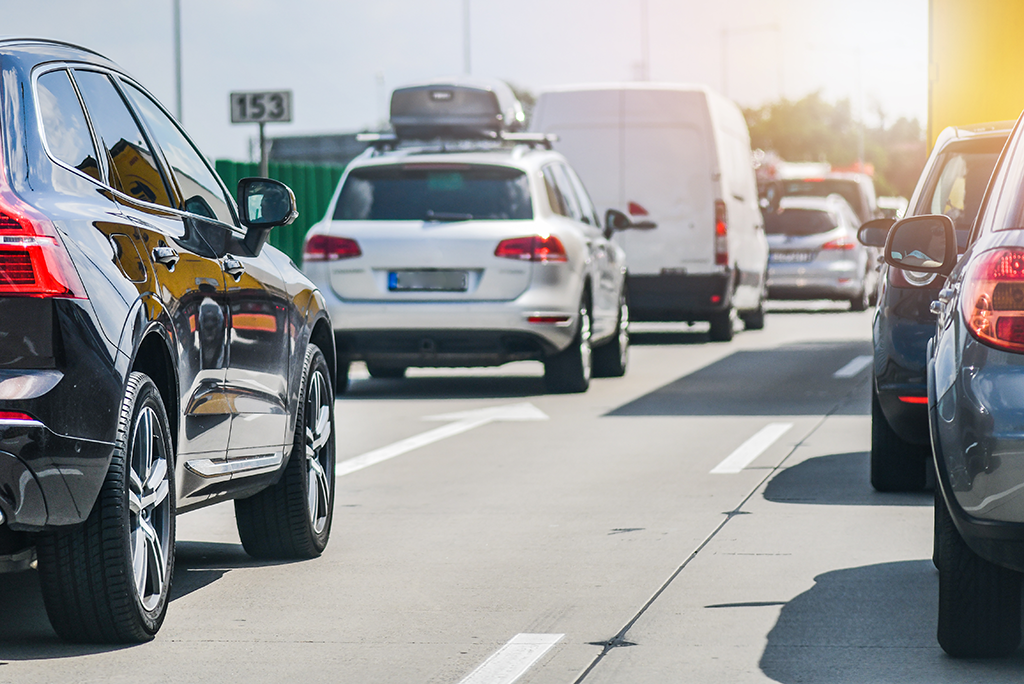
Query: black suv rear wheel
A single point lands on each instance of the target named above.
(108, 580)
(896, 465)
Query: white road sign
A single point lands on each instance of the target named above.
(261, 107)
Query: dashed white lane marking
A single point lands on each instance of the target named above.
(855, 366)
(464, 421)
(512, 660)
(755, 446)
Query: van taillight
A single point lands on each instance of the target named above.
(992, 299)
(533, 248)
(33, 261)
(721, 234)
(840, 243)
(329, 248)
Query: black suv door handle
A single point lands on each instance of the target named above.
(233, 267)
(166, 256)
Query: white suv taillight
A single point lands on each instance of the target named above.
(992, 299)
(329, 248)
(533, 248)
(33, 261)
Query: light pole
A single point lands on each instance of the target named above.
(466, 64)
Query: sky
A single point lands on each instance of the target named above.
(341, 58)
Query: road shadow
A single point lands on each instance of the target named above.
(446, 387)
(25, 631)
(874, 623)
(839, 480)
(793, 380)
(666, 337)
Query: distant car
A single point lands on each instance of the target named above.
(156, 356)
(953, 182)
(892, 207)
(474, 248)
(856, 188)
(814, 253)
(976, 406)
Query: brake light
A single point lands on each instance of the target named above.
(914, 400)
(993, 299)
(33, 261)
(842, 243)
(721, 234)
(534, 248)
(330, 248)
(15, 415)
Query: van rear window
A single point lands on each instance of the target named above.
(798, 222)
(443, 192)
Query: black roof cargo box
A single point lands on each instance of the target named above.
(455, 109)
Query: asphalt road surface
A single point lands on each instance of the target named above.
(707, 518)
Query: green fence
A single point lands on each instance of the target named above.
(312, 185)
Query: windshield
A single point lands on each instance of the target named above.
(434, 192)
(798, 222)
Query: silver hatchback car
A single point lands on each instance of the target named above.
(470, 253)
(814, 252)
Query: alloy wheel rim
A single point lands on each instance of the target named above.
(149, 509)
(319, 451)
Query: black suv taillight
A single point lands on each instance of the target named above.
(33, 260)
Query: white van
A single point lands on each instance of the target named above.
(678, 157)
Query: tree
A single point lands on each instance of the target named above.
(811, 129)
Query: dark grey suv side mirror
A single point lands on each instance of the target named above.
(874, 232)
(926, 244)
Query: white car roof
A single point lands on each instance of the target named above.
(521, 157)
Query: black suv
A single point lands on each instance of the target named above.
(952, 183)
(156, 355)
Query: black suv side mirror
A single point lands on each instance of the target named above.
(262, 204)
(874, 232)
(617, 220)
(926, 244)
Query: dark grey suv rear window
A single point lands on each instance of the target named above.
(798, 222)
(434, 192)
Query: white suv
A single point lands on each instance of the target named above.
(470, 252)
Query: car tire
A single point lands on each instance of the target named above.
(754, 320)
(611, 359)
(979, 601)
(862, 301)
(569, 370)
(721, 326)
(292, 519)
(896, 465)
(385, 372)
(108, 579)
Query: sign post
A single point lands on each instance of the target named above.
(262, 107)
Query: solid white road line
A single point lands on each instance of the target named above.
(751, 449)
(464, 421)
(512, 660)
(855, 366)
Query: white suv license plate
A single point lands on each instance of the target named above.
(790, 257)
(431, 281)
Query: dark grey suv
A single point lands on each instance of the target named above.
(156, 355)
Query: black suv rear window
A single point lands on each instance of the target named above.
(434, 192)
(798, 222)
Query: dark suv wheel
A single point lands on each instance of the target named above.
(108, 579)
